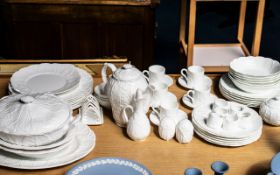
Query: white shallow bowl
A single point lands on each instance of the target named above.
(255, 67)
(80, 145)
(65, 139)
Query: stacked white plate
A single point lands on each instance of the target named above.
(68, 82)
(255, 74)
(76, 144)
(233, 93)
(245, 133)
(251, 80)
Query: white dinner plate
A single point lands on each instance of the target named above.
(46, 77)
(200, 114)
(76, 96)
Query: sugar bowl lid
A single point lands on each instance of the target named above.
(32, 114)
(273, 102)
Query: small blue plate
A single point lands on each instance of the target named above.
(275, 164)
(109, 166)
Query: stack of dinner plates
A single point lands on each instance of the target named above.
(68, 82)
(247, 129)
(251, 80)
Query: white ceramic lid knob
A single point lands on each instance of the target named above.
(127, 66)
(26, 99)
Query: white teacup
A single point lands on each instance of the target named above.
(221, 106)
(155, 73)
(199, 95)
(193, 75)
(231, 122)
(214, 121)
(169, 106)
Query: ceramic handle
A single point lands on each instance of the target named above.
(146, 75)
(104, 71)
(156, 110)
(124, 115)
(184, 73)
(190, 96)
(155, 119)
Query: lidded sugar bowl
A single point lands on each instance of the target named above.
(33, 120)
(122, 86)
(270, 111)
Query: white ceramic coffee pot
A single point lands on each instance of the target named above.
(121, 87)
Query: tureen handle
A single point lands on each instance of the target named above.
(104, 71)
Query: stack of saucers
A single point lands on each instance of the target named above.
(66, 81)
(227, 124)
(38, 131)
(251, 80)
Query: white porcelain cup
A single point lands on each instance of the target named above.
(193, 74)
(221, 106)
(199, 95)
(231, 122)
(237, 109)
(169, 106)
(157, 90)
(155, 73)
(245, 120)
(214, 121)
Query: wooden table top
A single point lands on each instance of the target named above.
(170, 157)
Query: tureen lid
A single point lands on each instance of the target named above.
(127, 72)
(32, 114)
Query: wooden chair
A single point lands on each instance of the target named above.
(218, 55)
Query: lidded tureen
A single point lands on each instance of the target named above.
(33, 120)
(121, 87)
(270, 111)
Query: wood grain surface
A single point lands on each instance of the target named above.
(170, 157)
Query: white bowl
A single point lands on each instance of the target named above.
(255, 67)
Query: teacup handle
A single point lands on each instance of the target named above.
(146, 75)
(124, 115)
(190, 95)
(104, 71)
(184, 73)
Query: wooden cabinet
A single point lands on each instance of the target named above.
(76, 29)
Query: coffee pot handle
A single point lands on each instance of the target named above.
(125, 116)
(104, 71)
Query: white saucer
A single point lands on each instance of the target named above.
(188, 103)
(83, 143)
(182, 82)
